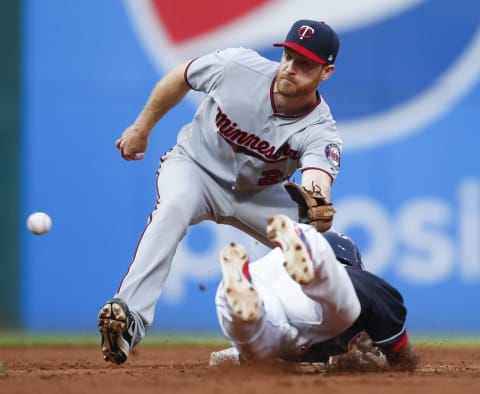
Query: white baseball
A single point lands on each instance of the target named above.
(39, 223)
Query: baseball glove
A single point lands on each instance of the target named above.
(313, 208)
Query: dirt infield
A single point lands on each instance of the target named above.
(181, 369)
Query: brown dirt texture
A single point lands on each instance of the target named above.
(184, 369)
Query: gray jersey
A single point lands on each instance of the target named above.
(236, 135)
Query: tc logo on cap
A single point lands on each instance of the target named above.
(305, 31)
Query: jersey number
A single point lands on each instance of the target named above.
(270, 177)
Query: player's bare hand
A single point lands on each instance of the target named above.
(133, 143)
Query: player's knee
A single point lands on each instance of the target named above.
(179, 212)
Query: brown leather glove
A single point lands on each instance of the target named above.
(313, 208)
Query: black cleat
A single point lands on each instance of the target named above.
(115, 323)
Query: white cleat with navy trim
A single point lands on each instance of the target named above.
(287, 235)
(240, 294)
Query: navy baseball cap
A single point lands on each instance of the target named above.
(312, 39)
(344, 249)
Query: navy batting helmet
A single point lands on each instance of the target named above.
(345, 249)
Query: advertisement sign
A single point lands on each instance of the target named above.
(405, 94)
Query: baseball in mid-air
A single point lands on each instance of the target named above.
(39, 223)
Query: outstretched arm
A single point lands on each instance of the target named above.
(165, 95)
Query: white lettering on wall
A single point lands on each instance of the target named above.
(427, 241)
(468, 195)
(428, 255)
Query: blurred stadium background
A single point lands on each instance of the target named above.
(73, 75)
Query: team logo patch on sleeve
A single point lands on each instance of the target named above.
(332, 151)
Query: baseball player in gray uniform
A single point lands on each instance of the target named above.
(259, 122)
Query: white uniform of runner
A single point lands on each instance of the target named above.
(229, 165)
(292, 316)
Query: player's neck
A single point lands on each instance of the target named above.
(294, 105)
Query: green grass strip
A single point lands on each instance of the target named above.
(447, 341)
(72, 339)
(163, 339)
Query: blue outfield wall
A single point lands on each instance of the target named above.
(406, 94)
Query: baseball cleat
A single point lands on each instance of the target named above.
(116, 326)
(240, 294)
(287, 235)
